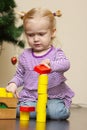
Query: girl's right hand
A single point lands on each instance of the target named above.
(12, 88)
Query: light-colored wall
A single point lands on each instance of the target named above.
(72, 33)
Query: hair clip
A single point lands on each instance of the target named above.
(21, 14)
(57, 13)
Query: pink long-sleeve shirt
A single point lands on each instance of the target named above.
(27, 77)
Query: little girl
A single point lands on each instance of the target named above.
(40, 29)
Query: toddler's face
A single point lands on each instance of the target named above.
(38, 33)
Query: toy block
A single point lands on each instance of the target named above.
(41, 107)
(8, 104)
(42, 69)
(42, 89)
(42, 92)
(42, 98)
(43, 79)
(4, 93)
(8, 108)
(41, 117)
(25, 112)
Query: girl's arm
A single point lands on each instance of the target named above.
(17, 80)
(60, 63)
(18, 77)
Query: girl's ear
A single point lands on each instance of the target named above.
(53, 33)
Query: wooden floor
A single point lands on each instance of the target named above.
(77, 121)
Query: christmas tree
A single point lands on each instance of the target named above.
(8, 30)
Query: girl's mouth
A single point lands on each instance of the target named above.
(37, 45)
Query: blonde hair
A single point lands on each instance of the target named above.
(41, 12)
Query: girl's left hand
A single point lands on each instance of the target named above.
(46, 62)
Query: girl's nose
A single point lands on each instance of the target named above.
(36, 38)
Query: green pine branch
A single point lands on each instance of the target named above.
(8, 30)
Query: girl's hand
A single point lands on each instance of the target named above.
(46, 62)
(12, 88)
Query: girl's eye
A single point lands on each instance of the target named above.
(41, 34)
(31, 35)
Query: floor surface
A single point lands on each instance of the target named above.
(77, 121)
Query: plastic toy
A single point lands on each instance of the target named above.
(42, 92)
(25, 112)
(4, 93)
(42, 69)
(8, 105)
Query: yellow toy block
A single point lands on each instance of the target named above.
(42, 89)
(4, 93)
(43, 79)
(42, 92)
(41, 107)
(41, 117)
(10, 95)
(25, 112)
(24, 116)
(42, 98)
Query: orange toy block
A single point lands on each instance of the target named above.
(42, 69)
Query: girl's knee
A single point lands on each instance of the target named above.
(57, 110)
(58, 113)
